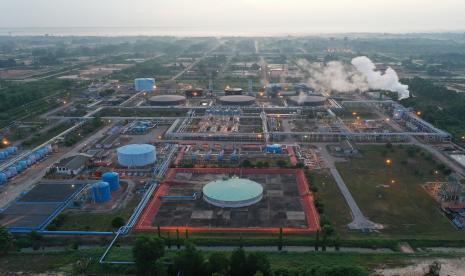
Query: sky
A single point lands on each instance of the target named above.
(285, 16)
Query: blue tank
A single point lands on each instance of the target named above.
(101, 192)
(221, 155)
(12, 171)
(18, 167)
(3, 178)
(32, 158)
(38, 156)
(274, 148)
(194, 156)
(3, 154)
(23, 164)
(48, 148)
(234, 156)
(12, 150)
(111, 178)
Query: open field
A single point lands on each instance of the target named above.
(392, 194)
(77, 220)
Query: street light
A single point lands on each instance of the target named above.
(388, 162)
(5, 142)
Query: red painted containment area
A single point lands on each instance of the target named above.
(313, 220)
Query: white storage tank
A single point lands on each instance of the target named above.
(136, 155)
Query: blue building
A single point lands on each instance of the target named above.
(144, 84)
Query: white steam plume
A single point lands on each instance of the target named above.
(333, 76)
(388, 81)
(361, 75)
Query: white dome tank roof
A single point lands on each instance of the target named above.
(233, 193)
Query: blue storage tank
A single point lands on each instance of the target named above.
(12, 171)
(3, 154)
(18, 168)
(3, 178)
(111, 178)
(234, 156)
(37, 155)
(274, 148)
(23, 164)
(101, 192)
(194, 156)
(32, 158)
(8, 174)
(48, 149)
(12, 150)
(221, 155)
(28, 162)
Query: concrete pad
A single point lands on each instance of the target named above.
(202, 214)
(295, 215)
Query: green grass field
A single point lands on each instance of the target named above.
(65, 261)
(77, 220)
(392, 194)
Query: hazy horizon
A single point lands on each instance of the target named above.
(237, 17)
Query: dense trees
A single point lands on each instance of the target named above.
(147, 251)
(149, 256)
(439, 106)
(6, 240)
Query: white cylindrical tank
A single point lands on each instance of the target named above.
(136, 155)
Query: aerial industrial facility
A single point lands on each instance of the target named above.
(226, 143)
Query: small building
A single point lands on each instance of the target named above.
(72, 165)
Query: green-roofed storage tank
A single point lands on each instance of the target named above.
(232, 193)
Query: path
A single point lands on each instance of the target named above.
(359, 222)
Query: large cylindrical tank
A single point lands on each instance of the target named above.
(3, 178)
(111, 178)
(101, 191)
(136, 155)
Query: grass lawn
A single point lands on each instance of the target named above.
(77, 220)
(335, 206)
(402, 206)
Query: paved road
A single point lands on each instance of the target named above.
(359, 222)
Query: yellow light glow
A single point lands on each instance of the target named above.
(388, 161)
(418, 113)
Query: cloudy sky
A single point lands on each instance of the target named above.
(293, 16)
